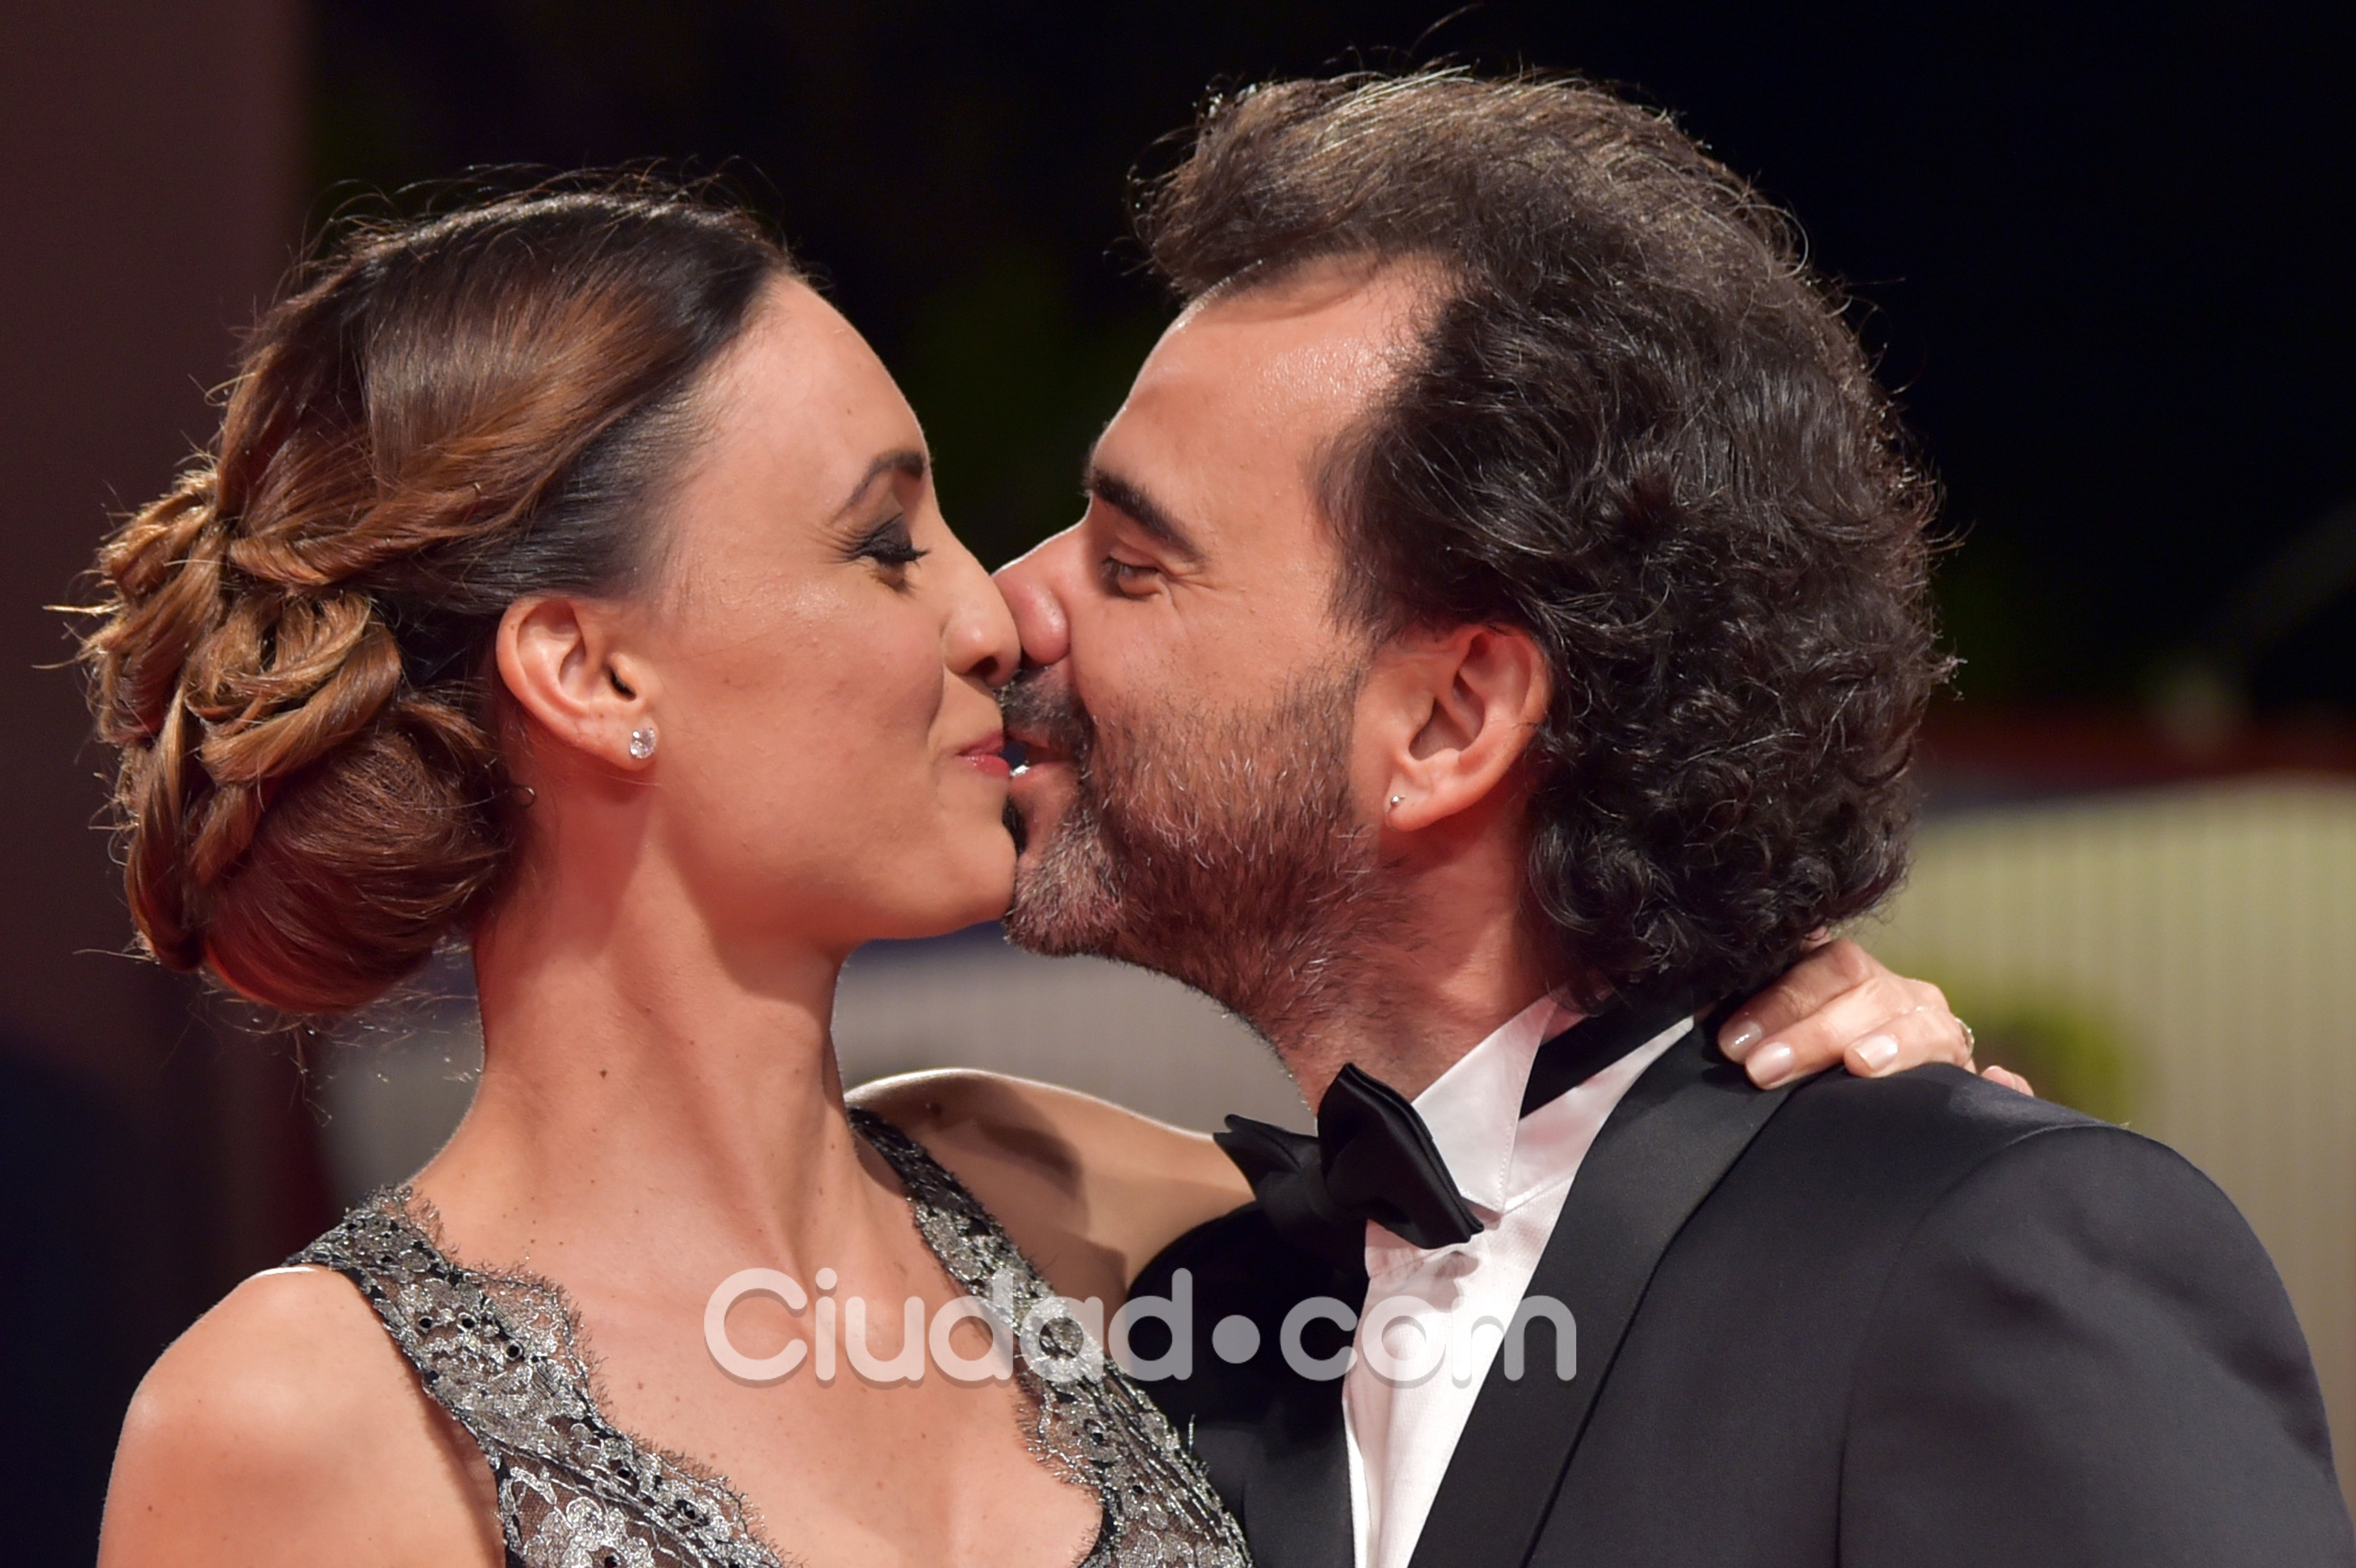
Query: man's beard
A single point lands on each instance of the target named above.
(1220, 850)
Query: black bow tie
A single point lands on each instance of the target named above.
(1373, 1158)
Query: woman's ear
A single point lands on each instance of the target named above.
(1472, 699)
(560, 662)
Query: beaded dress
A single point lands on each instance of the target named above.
(501, 1353)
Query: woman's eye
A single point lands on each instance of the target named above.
(889, 546)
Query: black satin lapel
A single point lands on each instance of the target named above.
(1664, 1148)
(1593, 1044)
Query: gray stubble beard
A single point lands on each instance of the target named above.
(1220, 850)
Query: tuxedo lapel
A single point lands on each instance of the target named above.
(1662, 1149)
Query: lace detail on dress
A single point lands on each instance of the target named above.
(1089, 1419)
(501, 1353)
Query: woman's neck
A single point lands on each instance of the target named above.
(648, 1095)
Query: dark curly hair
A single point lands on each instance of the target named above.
(1640, 430)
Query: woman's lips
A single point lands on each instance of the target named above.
(987, 756)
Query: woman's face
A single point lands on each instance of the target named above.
(825, 655)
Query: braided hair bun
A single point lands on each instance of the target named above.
(293, 660)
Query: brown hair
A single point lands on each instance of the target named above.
(1639, 430)
(443, 416)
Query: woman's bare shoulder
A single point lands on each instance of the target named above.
(1090, 1190)
(284, 1427)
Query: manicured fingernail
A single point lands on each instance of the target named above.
(1738, 1041)
(1771, 1062)
(1877, 1050)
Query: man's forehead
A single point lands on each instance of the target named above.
(1234, 409)
(1334, 332)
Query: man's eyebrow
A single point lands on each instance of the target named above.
(1128, 499)
(906, 461)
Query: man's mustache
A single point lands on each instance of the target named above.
(1042, 709)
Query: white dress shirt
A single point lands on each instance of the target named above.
(1444, 1308)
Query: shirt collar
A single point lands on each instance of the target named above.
(1475, 1109)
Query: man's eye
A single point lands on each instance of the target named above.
(1128, 576)
(889, 545)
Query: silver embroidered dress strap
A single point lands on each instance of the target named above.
(501, 1354)
(1088, 1418)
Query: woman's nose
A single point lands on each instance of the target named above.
(983, 639)
(1028, 585)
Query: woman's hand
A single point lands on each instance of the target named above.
(1838, 1004)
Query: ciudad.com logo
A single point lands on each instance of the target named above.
(1403, 1339)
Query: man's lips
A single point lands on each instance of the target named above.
(1037, 749)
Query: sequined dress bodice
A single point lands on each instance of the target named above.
(502, 1354)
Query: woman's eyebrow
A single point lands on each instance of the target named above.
(906, 461)
(1131, 501)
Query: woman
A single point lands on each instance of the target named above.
(568, 579)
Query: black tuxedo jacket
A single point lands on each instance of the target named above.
(1906, 1323)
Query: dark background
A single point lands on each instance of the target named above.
(2105, 258)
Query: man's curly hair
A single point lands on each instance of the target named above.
(1639, 430)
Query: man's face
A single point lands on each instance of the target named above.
(1190, 802)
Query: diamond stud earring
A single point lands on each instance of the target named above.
(642, 741)
(1398, 801)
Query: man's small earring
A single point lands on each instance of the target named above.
(1398, 801)
(642, 741)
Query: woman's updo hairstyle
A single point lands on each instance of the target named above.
(294, 664)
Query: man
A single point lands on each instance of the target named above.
(1497, 634)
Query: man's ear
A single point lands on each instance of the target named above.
(560, 661)
(1463, 708)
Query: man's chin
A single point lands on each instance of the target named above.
(1063, 907)
(1049, 928)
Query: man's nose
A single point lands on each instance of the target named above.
(1031, 586)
